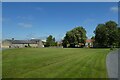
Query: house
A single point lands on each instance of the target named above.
(89, 43)
(21, 43)
(59, 43)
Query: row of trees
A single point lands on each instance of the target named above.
(72, 38)
(107, 35)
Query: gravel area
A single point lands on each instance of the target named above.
(112, 64)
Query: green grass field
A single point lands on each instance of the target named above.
(54, 63)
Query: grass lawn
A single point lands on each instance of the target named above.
(54, 63)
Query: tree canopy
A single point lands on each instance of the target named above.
(50, 41)
(74, 37)
(106, 35)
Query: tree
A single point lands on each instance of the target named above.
(93, 40)
(110, 25)
(65, 42)
(74, 37)
(111, 29)
(93, 37)
(100, 36)
(118, 37)
(50, 41)
(106, 34)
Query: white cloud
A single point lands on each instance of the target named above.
(25, 25)
(114, 9)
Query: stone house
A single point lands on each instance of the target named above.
(22, 43)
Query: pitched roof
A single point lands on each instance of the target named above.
(89, 40)
(24, 42)
(32, 41)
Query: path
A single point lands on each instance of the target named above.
(112, 64)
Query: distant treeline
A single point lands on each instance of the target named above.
(106, 35)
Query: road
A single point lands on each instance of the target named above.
(112, 64)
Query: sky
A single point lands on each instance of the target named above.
(26, 20)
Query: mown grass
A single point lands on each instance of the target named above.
(54, 63)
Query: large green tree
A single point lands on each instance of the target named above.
(118, 37)
(106, 35)
(74, 37)
(100, 36)
(112, 31)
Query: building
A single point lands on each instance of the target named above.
(21, 43)
(89, 43)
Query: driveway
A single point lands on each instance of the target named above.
(112, 64)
